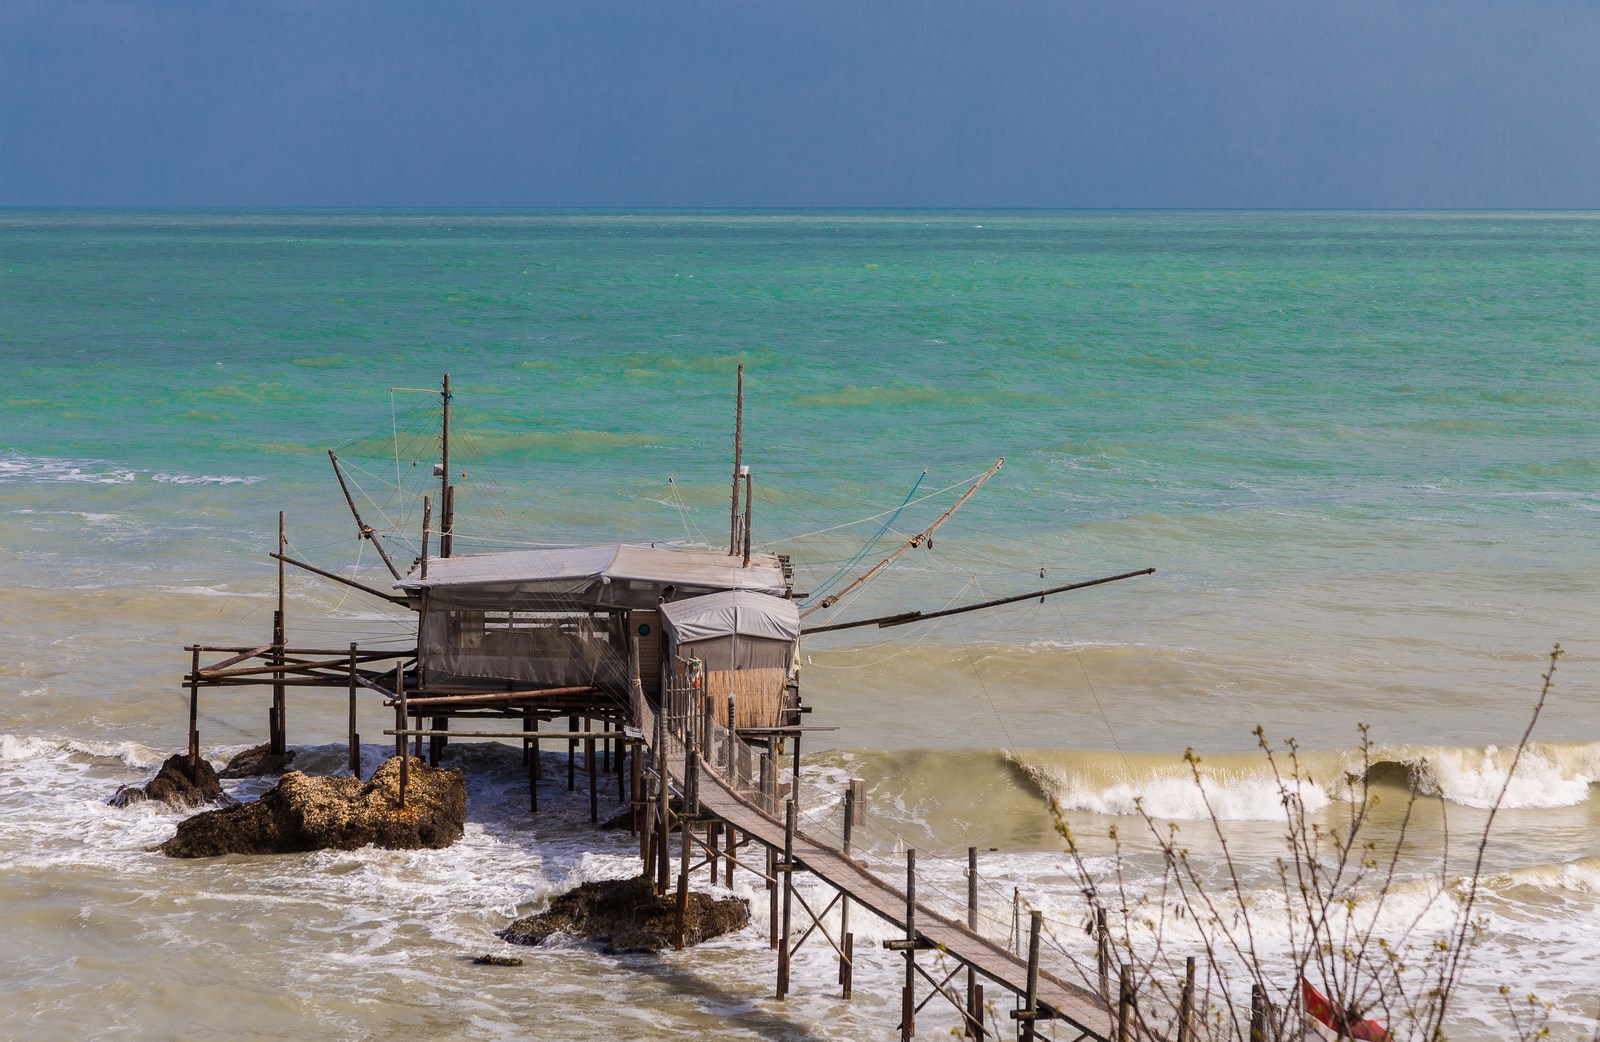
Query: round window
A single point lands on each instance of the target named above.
(644, 629)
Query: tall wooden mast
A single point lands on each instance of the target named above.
(738, 454)
(447, 519)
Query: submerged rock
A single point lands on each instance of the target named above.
(498, 960)
(173, 786)
(626, 915)
(303, 813)
(257, 761)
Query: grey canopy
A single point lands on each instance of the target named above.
(604, 578)
(734, 613)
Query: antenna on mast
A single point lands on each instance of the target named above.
(738, 453)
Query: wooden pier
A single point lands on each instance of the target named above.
(676, 668)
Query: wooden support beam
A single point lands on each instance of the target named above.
(332, 577)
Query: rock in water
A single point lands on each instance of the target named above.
(173, 786)
(256, 761)
(304, 813)
(627, 915)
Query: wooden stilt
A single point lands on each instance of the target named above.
(730, 857)
(533, 782)
(681, 906)
(572, 754)
(538, 759)
(400, 711)
(976, 1024)
(713, 834)
(594, 785)
(787, 871)
(621, 745)
(436, 742)
(527, 743)
(354, 740)
(635, 780)
(194, 715)
(663, 804)
(772, 898)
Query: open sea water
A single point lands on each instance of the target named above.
(1359, 449)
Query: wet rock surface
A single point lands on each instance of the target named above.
(255, 762)
(173, 786)
(304, 813)
(626, 915)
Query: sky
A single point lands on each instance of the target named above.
(1434, 104)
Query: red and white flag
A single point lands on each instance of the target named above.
(1326, 1024)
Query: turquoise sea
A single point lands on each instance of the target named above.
(1358, 448)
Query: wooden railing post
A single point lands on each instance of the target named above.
(1031, 999)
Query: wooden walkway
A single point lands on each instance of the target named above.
(1080, 1008)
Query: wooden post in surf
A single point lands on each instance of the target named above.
(787, 871)
(354, 738)
(1258, 1014)
(1125, 1003)
(1030, 1015)
(1186, 1000)
(730, 857)
(908, 993)
(772, 898)
(974, 1002)
(194, 714)
(738, 454)
(680, 907)
(846, 938)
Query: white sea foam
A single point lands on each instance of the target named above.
(102, 472)
(204, 479)
(1546, 775)
(1175, 798)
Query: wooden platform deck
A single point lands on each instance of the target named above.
(1077, 1006)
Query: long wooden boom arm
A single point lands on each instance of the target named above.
(908, 617)
(911, 544)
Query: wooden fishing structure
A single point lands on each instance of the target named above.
(675, 671)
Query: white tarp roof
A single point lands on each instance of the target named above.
(618, 575)
(739, 612)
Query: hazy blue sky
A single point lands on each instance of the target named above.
(1120, 103)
